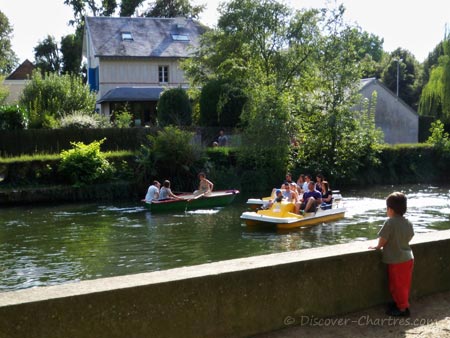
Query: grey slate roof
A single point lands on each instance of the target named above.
(122, 94)
(152, 37)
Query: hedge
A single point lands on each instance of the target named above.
(50, 141)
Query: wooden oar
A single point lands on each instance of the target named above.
(191, 199)
(196, 197)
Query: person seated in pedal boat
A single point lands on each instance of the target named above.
(286, 191)
(327, 196)
(278, 198)
(311, 199)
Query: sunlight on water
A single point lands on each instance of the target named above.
(47, 245)
(203, 212)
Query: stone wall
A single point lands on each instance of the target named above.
(234, 298)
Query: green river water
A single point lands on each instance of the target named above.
(46, 245)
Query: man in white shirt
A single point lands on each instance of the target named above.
(153, 192)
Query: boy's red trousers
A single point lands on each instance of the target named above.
(400, 276)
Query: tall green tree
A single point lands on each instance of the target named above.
(174, 107)
(128, 7)
(334, 138)
(408, 76)
(8, 59)
(369, 49)
(46, 55)
(300, 71)
(435, 98)
(71, 45)
(431, 61)
(174, 8)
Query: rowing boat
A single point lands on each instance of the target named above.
(190, 201)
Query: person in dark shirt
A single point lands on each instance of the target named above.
(311, 199)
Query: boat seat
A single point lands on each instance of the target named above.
(325, 206)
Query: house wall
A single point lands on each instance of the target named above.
(115, 73)
(15, 88)
(139, 73)
(400, 124)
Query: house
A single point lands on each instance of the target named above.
(398, 121)
(132, 60)
(17, 80)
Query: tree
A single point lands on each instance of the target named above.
(174, 108)
(83, 8)
(335, 139)
(128, 7)
(300, 71)
(435, 98)
(369, 49)
(409, 75)
(221, 104)
(4, 91)
(46, 55)
(174, 8)
(8, 59)
(431, 61)
(71, 45)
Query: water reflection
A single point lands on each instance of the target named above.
(55, 244)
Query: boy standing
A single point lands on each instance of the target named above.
(394, 238)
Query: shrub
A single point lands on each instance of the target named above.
(123, 119)
(439, 138)
(85, 164)
(174, 108)
(47, 98)
(13, 117)
(172, 155)
(79, 120)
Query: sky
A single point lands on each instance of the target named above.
(417, 26)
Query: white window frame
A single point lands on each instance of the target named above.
(163, 74)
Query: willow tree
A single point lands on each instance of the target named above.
(435, 99)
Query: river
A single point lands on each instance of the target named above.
(46, 245)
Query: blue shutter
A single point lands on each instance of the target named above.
(93, 79)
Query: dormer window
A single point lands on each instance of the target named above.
(180, 37)
(126, 36)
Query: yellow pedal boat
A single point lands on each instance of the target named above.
(282, 216)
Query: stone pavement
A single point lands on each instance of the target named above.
(430, 318)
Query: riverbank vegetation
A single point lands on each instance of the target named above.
(226, 166)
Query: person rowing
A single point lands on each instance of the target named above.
(205, 186)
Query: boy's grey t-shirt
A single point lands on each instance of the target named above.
(398, 231)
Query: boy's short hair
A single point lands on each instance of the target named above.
(397, 202)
